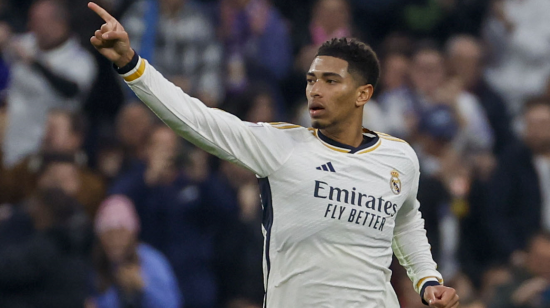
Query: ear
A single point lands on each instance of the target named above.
(364, 93)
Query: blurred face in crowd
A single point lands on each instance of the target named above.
(133, 124)
(427, 71)
(49, 24)
(464, 57)
(171, 5)
(537, 129)
(335, 96)
(262, 109)
(63, 175)
(60, 136)
(163, 144)
(42, 217)
(538, 257)
(332, 14)
(117, 243)
(395, 71)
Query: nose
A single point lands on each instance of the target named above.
(314, 90)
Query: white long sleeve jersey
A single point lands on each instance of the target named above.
(332, 214)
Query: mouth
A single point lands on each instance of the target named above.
(316, 109)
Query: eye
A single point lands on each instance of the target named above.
(310, 81)
(331, 81)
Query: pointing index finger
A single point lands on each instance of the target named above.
(101, 12)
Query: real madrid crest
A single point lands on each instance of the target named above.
(395, 183)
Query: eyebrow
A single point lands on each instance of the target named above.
(326, 74)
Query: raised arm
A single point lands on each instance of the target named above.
(261, 148)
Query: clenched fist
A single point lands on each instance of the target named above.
(441, 297)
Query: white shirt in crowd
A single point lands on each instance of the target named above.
(31, 97)
(521, 57)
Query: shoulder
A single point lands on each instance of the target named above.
(284, 131)
(282, 125)
(400, 148)
(151, 257)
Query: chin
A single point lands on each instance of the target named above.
(317, 124)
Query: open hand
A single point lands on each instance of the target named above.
(111, 40)
(441, 297)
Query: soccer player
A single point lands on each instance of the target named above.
(337, 198)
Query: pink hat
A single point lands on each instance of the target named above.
(116, 212)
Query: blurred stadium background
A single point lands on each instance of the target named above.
(103, 206)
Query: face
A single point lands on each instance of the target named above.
(61, 175)
(45, 25)
(59, 136)
(171, 4)
(163, 143)
(117, 243)
(465, 62)
(427, 71)
(262, 109)
(395, 71)
(332, 14)
(334, 95)
(537, 129)
(133, 124)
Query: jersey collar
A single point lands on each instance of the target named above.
(371, 141)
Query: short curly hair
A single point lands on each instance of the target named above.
(362, 60)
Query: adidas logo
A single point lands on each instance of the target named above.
(326, 167)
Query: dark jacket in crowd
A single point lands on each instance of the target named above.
(497, 115)
(182, 220)
(45, 269)
(513, 208)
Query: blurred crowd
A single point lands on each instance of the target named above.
(102, 205)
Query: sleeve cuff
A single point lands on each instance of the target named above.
(133, 70)
(427, 284)
(128, 67)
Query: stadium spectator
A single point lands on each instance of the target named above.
(129, 273)
(43, 253)
(64, 172)
(494, 277)
(241, 244)
(133, 125)
(395, 68)
(431, 85)
(518, 33)
(444, 186)
(530, 282)
(110, 159)
(257, 42)
(179, 217)
(518, 200)
(180, 40)
(49, 70)
(465, 56)
(62, 141)
(329, 18)
(257, 104)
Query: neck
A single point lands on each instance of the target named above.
(349, 135)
